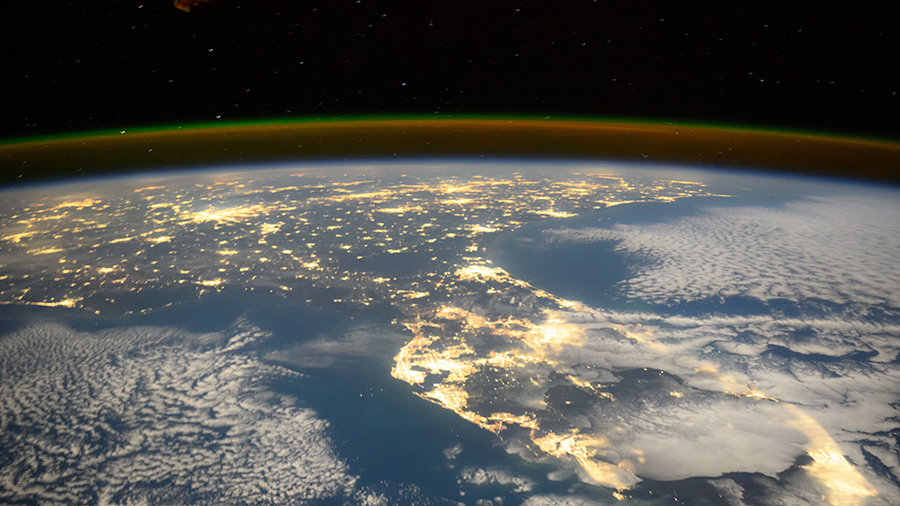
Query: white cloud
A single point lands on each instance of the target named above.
(709, 437)
(136, 414)
(839, 250)
(496, 476)
(453, 452)
(730, 490)
(369, 343)
(561, 500)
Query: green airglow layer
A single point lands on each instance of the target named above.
(433, 117)
(316, 139)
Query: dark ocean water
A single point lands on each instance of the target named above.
(588, 273)
(591, 273)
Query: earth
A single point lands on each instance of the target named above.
(443, 331)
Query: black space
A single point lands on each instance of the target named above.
(110, 64)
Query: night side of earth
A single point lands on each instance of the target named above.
(450, 330)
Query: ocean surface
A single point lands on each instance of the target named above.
(589, 272)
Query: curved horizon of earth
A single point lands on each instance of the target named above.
(450, 331)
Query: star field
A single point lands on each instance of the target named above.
(78, 66)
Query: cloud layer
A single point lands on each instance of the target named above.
(154, 414)
(839, 250)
